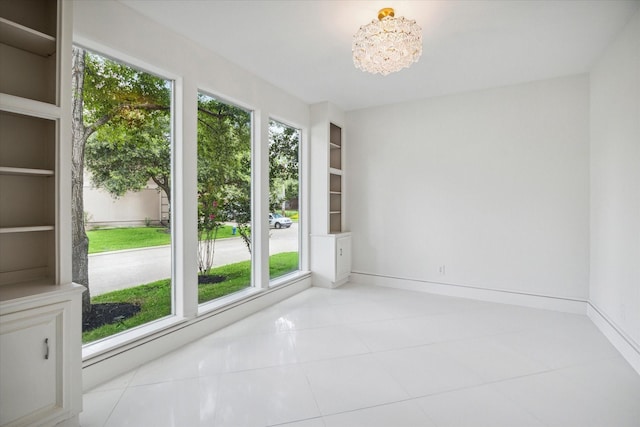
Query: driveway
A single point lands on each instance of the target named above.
(111, 271)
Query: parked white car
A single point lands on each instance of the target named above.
(278, 221)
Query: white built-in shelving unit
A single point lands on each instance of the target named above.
(330, 240)
(40, 347)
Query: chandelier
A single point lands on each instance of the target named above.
(388, 44)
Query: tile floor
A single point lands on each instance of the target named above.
(373, 356)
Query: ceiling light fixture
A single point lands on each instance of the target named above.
(388, 44)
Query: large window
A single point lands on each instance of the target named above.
(224, 198)
(284, 206)
(122, 144)
(123, 217)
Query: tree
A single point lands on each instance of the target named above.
(224, 172)
(283, 164)
(108, 99)
(121, 160)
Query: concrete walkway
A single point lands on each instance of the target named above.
(111, 271)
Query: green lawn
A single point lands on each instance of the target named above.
(115, 239)
(155, 298)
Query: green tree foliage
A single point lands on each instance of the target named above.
(224, 173)
(132, 144)
(284, 142)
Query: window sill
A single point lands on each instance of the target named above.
(127, 339)
(289, 278)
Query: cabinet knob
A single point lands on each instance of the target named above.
(46, 348)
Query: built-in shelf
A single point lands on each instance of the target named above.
(335, 178)
(21, 37)
(27, 229)
(40, 309)
(25, 171)
(30, 107)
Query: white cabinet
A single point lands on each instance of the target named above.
(332, 259)
(28, 347)
(40, 379)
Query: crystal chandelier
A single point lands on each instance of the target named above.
(388, 44)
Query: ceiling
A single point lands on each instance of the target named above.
(304, 47)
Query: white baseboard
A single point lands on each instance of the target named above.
(629, 349)
(124, 359)
(546, 302)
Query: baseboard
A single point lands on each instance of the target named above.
(123, 360)
(546, 302)
(629, 349)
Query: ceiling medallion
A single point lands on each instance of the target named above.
(388, 44)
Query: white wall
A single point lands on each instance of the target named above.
(492, 185)
(615, 183)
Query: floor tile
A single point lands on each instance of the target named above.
(351, 383)
(265, 396)
(313, 422)
(490, 359)
(172, 403)
(327, 343)
(362, 311)
(573, 342)
(394, 334)
(476, 407)
(427, 370)
(401, 414)
(556, 401)
(97, 406)
(612, 380)
(118, 383)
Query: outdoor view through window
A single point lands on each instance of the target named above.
(284, 241)
(224, 198)
(121, 194)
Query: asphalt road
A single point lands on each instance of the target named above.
(111, 271)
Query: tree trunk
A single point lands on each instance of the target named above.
(80, 250)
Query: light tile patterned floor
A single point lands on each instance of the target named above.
(373, 356)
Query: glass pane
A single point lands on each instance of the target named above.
(284, 219)
(122, 131)
(224, 198)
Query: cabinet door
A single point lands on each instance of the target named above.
(343, 257)
(29, 372)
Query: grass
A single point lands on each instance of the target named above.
(155, 298)
(116, 239)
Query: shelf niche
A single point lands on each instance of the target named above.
(28, 48)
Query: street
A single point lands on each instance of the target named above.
(111, 271)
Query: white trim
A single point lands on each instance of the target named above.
(547, 302)
(120, 56)
(629, 349)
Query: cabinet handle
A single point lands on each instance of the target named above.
(46, 348)
(340, 251)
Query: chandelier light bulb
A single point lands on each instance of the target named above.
(387, 45)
